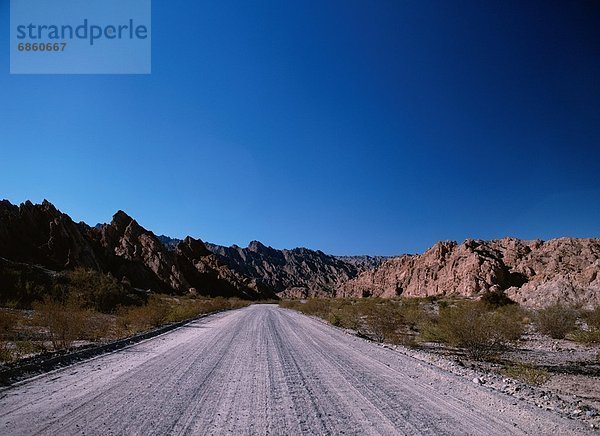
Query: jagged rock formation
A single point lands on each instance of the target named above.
(531, 272)
(534, 273)
(42, 235)
(296, 273)
(169, 243)
(363, 263)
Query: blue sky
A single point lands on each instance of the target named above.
(352, 127)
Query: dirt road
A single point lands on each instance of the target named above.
(263, 370)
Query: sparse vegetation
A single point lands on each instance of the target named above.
(65, 321)
(57, 323)
(556, 321)
(527, 373)
(161, 310)
(496, 299)
(384, 320)
(591, 334)
(592, 318)
(479, 329)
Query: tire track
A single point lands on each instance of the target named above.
(263, 370)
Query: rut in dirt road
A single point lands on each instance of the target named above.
(263, 370)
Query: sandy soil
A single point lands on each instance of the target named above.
(264, 370)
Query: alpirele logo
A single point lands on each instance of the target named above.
(80, 37)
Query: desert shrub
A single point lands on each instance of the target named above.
(27, 347)
(320, 307)
(96, 326)
(7, 324)
(413, 314)
(592, 318)
(384, 321)
(154, 313)
(527, 373)
(6, 352)
(181, 312)
(334, 319)
(21, 284)
(97, 291)
(496, 299)
(161, 310)
(480, 331)
(289, 304)
(510, 321)
(65, 321)
(556, 321)
(349, 315)
(591, 336)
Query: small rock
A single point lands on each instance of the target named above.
(576, 412)
(477, 381)
(591, 413)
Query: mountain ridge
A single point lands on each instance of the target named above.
(533, 272)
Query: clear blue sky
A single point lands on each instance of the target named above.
(354, 127)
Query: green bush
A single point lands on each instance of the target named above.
(413, 314)
(556, 321)
(496, 299)
(349, 316)
(97, 291)
(384, 321)
(477, 329)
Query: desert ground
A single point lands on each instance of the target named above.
(264, 370)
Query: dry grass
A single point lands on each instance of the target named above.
(384, 320)
(161, 310)
(58, 324)
(480, 328)
(65, 321)
(527, 373)
(591, 336)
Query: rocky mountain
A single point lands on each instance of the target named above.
(533, 273)
(169, 243)
(297, 273)
(364, 263)
(42, 235)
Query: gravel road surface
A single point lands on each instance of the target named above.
(264, 370)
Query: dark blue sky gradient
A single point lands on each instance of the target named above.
(352, 127)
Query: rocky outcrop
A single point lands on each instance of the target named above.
(296, 273)
(133, 253)
(534, 273)
(139, 256)
(363, 263)
(207, 272)
(42, 235)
